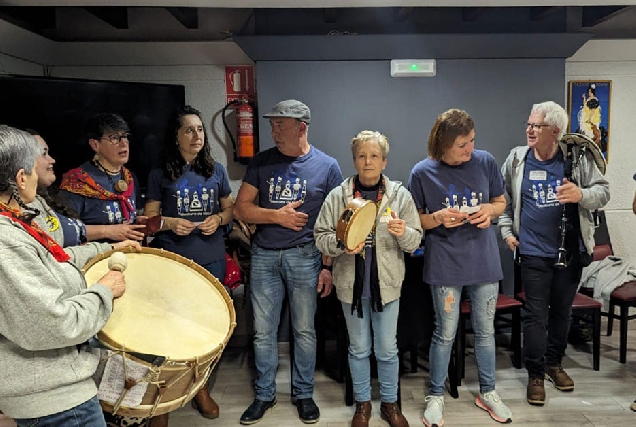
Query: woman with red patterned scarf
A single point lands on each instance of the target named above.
(47, 311)
(102, 191)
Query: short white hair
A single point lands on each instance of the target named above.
(555, 115)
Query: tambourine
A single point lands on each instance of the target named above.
(355, 223)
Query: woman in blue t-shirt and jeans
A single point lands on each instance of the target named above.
(458, 191)
(192, 193)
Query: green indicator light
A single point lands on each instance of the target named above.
(413, 67)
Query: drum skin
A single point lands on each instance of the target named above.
(356, 222)
(173, 308)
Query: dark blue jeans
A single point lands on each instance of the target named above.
(273, 273)
(88, 414)
(549, 295)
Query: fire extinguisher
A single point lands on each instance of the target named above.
(244, 146)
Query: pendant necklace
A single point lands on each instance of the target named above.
(120, 186)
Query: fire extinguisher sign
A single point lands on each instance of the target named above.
(240, 83)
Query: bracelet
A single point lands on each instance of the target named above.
(326, 267)
(220, 218)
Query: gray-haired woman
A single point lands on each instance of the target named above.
(47, 311)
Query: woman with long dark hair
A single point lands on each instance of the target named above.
(192, 193)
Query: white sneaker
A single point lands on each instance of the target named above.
(491, 402)
(434, 413)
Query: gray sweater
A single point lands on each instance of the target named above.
(46, 312)
(594, 187)
(389, 249)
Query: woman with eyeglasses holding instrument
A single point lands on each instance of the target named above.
(193, 196)
(459, 191)
(47, 311)
(102, 191)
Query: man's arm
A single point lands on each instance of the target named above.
(246, 210)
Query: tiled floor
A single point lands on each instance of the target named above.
(599, 399)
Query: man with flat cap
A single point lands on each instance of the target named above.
(290, 182)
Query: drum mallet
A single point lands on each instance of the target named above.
(118, 262)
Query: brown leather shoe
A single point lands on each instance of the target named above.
(206, 406)
(557, 376)
(159, 421)
(535, 393)
(363, 414)
(391, 413)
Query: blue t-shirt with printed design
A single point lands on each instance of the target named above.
(191, 197)
(281, 180)
(74, 230)
(101, 212)
(539, 233)
(464, 255)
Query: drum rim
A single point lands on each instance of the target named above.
(362, 204)
(188, 263)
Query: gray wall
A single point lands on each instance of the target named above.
(346, 97)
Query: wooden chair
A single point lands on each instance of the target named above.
(622, 297)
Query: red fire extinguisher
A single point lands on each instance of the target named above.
(244, 146)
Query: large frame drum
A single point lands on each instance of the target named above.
(175, 318)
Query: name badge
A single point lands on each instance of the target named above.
(538, 175)
(386, 216)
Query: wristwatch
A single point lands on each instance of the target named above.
(220, 218)
(326, 267)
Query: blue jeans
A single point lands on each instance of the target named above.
(273, 272)
(549, 295)
(384, 327)
(88, 414)
(217, 269)
(446, 301)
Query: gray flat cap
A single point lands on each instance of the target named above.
(292, 109)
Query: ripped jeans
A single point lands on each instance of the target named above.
(446, 301)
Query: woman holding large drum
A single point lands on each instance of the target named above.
(47, 311)
(368, 277)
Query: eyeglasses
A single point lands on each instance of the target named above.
(115, 139)
(536, 126)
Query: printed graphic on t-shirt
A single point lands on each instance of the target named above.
(468, 201)
(113, 212)
(286, 189)
(193, 201)
(544, 190)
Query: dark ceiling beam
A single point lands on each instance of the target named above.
(330, 15)
(471, 14)
(31, 18)
(594, 15)
(539, 13)
(114, 16)
(187, 16)
(403, 14)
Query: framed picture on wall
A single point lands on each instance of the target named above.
(589, 110)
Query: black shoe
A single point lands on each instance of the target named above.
(308, 412)
(254, 413)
